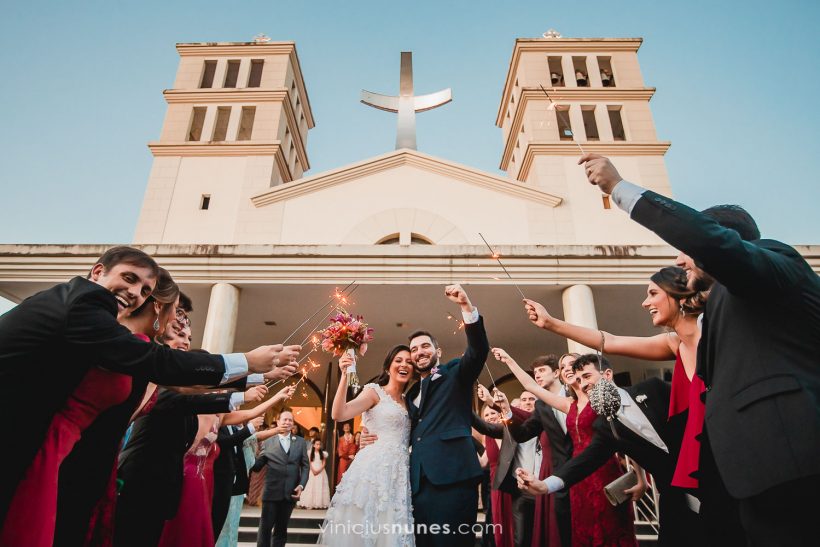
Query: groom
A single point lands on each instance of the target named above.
(444, 470)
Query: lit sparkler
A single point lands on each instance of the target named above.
(497, 257)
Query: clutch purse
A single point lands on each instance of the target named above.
(614, 491)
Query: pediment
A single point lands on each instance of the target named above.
(397, 160)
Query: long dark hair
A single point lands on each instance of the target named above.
(313, 450)
(384, 377)
(673, 281)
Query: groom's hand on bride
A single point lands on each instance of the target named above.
(367, 438)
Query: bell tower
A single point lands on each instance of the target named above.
(237, 123)
(565, 95)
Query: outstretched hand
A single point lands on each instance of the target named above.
(529, 483)
(285, 393)
(255, 393)
(601, 172)
(484, 394)
(501, 355)
(537, 313)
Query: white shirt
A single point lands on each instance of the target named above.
(527, 457)
(634, 419)
(560, 416)
(469, 319)
(284, 440)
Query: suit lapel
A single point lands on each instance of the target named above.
(425, 389)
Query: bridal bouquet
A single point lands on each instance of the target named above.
(346, 334)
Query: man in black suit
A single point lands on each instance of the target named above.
(645, 434)
(758, 356)
(544, 419)
(444, 470)
(59, 333)
(285, 456)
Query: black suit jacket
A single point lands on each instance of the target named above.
(504, 474)
(543, 419)
(230, 464)
(440, 429)
(286, 470)
(758, 353)
(151, 464)
(53, 338)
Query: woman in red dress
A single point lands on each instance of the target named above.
(675, 307)
(346, 450)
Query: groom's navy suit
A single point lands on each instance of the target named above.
(444, 468)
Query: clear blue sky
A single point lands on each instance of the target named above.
(737, 94)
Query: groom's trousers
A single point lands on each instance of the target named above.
(445, 515)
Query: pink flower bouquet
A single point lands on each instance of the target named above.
(347, 333)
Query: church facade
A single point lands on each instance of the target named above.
(258, 243)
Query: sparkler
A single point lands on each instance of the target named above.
(497, 257)
(554, 106)
(337, 295)
(342, 299)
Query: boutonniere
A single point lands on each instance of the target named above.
(640, 398)
(434, 370)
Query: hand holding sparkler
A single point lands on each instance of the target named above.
(600, 172)
(284, 394)
(264, 358)
(537, 314)
(255, 393)
(279, 373)
(458, 295)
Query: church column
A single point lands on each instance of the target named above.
(220, 325)
(579, 309)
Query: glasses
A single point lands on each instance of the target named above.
(183, 318)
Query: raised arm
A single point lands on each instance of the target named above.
(555, 401)
(241, 416)
(469, 366)
(743, 267)
(343, 409)
(651, 348)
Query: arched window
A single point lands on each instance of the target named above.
(394, 239)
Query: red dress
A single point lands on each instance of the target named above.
(32, 515)
(192, 525)
(346, 449)
(594, 520)
(686, 396)
(500, 502)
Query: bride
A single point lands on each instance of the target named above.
(372, 504)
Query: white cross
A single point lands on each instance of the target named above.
(406, 105)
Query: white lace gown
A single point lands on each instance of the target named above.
(372, 505)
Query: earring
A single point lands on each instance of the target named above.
(156, 324)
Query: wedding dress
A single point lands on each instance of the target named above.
(372, 505)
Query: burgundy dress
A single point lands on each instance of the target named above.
(594, 520)
(500, 502)
(686, 396)
(33, 512)
(192, 526)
